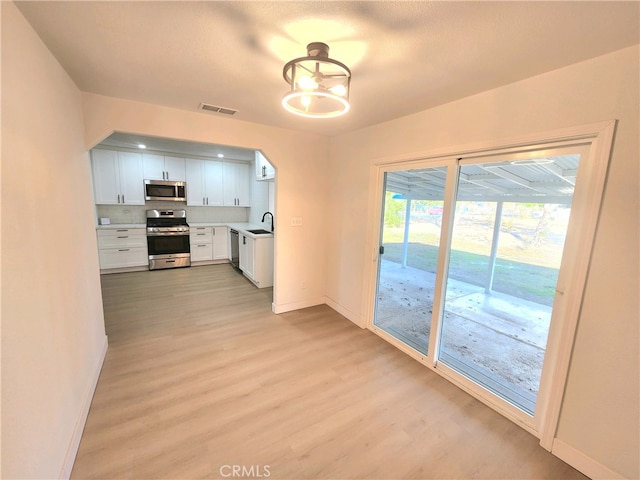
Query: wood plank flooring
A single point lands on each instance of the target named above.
(201, 380)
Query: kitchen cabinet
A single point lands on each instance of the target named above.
(204, 182)
(220, 243)
(256, 259)
(201, 242)
(122, 248)
(117, 177)
(236, 184)
(246, 261)
(162, 167)
(208, 243)
(264, 169)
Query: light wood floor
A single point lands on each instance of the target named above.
(201, 376)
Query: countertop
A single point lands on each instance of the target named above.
(241, 227)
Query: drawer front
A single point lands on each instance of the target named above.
(112, 232)
(122, 240)
(123, 257)
(201, 252)
(200, 235)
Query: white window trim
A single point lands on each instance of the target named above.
(588, 196)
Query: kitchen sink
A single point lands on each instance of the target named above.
(259, 232)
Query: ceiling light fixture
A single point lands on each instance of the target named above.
(319, 84)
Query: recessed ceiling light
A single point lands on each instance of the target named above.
(220, 155)
(142, 145)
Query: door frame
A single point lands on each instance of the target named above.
(598, 137)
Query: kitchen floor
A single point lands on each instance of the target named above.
(202, 380)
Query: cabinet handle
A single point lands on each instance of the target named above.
(207, 200)
(123, 198)
(201, 245)
(124, 236)
(200, 233)
(244, 240)
(203, 201)
(123, 250)
(122, 230)
(264, 171)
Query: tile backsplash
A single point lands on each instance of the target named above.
(137, 213)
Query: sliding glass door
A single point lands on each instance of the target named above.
(470, 258)
(410, 238)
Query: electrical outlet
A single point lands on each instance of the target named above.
(303, 285)
(296, 221)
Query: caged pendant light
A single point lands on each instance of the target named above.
(319, 84)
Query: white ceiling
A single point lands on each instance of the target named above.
(405, 56)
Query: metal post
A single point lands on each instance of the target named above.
(405, 244)
(494, 247)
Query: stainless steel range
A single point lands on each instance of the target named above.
(168, 239)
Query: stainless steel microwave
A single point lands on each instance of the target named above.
(165, 190)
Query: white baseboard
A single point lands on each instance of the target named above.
(288, 307)
(74, 444)
(345, 312)
(583, 463)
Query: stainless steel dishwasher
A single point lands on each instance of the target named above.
(235, 247)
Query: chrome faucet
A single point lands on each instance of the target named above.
(268, 213)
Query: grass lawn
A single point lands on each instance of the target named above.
(522, 280)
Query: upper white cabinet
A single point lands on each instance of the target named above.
(204, 182)
(236, 184)
(117, 177)
(264, 169)
(162, 167)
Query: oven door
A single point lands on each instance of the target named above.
(168, 250)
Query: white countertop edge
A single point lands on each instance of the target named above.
(241, 227)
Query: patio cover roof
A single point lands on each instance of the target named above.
(544, 180)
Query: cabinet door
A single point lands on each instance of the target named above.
(264, 169)
(175, 169)
(246, 256)
(153, 166)
(195, 182)
(131, 178)
(243, 191)
(236, 184)
(220, 244)
(213, 183)
(106, 177)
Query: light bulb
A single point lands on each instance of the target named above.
(307, 83)
(305, 100)
(339, 90)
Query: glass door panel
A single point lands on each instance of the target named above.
(409, 240)
(507, 239)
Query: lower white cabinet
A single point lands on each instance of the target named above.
(220, 243)
(122, 248)
(200, 239)
(208, 243)
(256, 259)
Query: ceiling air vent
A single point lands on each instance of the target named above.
(217, 109)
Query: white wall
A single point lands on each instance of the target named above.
(53, 336)
(600, 417)
(301, 162)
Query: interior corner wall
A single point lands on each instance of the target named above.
(599, 419)
(53, 337)
(301, 162)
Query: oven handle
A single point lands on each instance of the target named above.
(168, 234)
